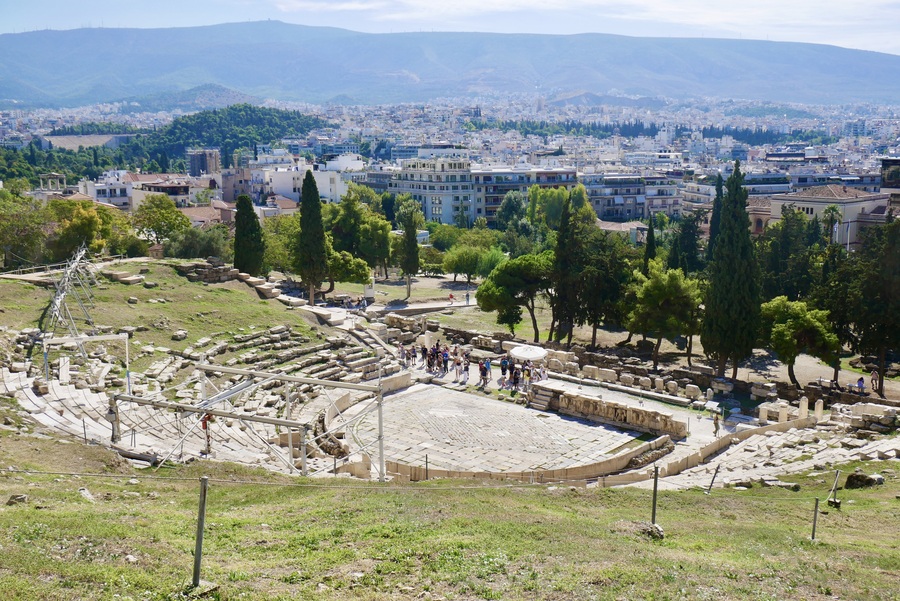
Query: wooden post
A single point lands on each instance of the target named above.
(201, 522)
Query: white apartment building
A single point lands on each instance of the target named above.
(443, 186)
(112, 188)
(492, 183)
(627, 197)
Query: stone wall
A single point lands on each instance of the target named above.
(211, 271)
(618, 414)
(600, 470)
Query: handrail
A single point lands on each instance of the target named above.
(58, 266)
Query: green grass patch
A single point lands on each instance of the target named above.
(272, 537)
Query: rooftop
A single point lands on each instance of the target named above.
(833, 192)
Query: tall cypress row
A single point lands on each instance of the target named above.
(732, 299)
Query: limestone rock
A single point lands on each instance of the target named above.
(17, 499)
(179, 335)
(860, 481)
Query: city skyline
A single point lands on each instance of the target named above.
(822, 22)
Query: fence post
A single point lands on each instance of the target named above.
(655, 487)
(716, 473)
(201, 522)
(815, 518)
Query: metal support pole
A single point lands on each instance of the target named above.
(290, 436)
(335, 467)
(46, 366)
(815, 518)
(655, 487)
(381, 471)
(201, 522)
(303, 469)
(834, 487)
(426, 467)
(716, 473)
(127, 367)
(84, 425)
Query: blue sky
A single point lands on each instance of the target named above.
(873, 25)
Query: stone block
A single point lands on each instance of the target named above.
(672, 387)
(626, 379)
(607, 375)
(721, 385)
(692, 391)
(644, 383)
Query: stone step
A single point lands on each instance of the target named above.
(291, 301)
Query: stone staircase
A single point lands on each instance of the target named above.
(123, 277)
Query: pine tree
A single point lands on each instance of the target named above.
(410, 218)
(732, 303)
(715, 219)
(311, 252)
(249, 245)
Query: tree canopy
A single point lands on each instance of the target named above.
(158, 218)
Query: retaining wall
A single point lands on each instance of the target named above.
(583, 472)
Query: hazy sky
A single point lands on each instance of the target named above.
(873, 25)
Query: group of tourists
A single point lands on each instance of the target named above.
(442, 360)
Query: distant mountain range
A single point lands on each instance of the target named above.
(270, 59)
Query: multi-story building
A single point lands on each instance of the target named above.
(234, 182)
(203, 161)
(626, 197)
(858, 209)
(113, 187)
(491, 184)
(443, 186)
(868, 182)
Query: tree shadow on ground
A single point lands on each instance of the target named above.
(764, 362)
(458, 285)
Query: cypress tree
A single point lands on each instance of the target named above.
(249, 245)
(564, 276)
(649, 248)
(311, 250)
(715, 220)
(732, 300)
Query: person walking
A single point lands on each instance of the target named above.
(716, 425)
(874, 380)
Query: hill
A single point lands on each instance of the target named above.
(271, 59)
(203, 97)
